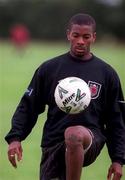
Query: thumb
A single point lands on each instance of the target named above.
(19, 153)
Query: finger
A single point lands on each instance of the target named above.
(12, 160)
(116, 177)
(11, 157)
(109, 174)
(19, 154)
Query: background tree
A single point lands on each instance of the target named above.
(47, 19)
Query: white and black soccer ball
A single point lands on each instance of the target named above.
(72, 95)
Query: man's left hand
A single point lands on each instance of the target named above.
(115, 171)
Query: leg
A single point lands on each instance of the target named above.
(77, 139)
(52, 166)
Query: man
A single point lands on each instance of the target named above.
(19, 36)
(71, 142)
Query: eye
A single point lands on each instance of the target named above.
(87, 37)
(75, 35)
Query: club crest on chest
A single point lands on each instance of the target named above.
(94, 88)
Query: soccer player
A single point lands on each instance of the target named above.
(71, 142)
(19, 36)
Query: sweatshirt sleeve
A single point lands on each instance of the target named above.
(115, 122)
(31, 105)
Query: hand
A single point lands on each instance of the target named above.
(14, 151)
(115, 171)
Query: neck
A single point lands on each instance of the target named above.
(83, 58)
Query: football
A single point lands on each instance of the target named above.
(72, 95)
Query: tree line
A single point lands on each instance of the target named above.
(47, 19)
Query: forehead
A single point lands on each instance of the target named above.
(84, 29)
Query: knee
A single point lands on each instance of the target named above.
(73, 137)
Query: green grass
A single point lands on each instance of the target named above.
(16, 71)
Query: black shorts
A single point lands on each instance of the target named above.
(52, 166)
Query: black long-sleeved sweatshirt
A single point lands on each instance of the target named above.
(104, 114)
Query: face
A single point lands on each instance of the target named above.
(81, 37)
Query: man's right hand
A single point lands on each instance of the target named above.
(15, 152)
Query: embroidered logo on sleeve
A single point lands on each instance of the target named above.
(29, 91)
(94, 88)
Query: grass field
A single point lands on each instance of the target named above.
(16, 71)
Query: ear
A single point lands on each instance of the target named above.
(94, 37)
(68, 34)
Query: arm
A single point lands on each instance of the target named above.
(30, 106)
(25, 117)
(115, 127)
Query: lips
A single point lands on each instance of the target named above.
(80, 49)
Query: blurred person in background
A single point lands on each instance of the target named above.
(72, 142)
(19, 36)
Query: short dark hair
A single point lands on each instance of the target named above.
(82, 19)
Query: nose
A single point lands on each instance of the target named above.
(81, 41)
